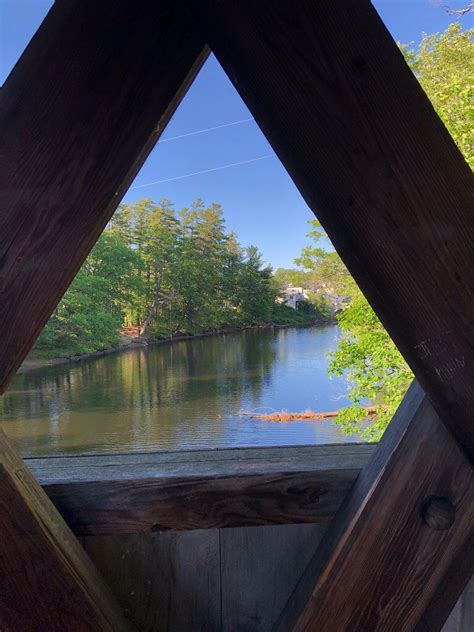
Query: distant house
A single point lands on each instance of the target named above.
(328, 292)
(292, 296)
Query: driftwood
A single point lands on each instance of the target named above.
(307, 415)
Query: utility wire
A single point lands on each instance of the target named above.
(196, 173)
(208, 129)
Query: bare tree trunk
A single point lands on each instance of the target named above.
(153, 307)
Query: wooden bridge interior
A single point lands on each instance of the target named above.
(385, 533)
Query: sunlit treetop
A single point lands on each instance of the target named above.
(444, 66)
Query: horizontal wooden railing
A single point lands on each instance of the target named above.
(200, 489)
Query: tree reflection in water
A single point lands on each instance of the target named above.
(180, 395)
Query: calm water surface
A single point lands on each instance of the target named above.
(184, 395)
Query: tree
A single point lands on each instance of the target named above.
(92, 310)
(113, 260)
(289, 277)
(159, 252)
(444, 66)
(366, 355)
(164, 273)
(257, 295)
(325, 268)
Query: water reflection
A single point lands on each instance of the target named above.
(181, 395)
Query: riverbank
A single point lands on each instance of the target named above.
(130, 342)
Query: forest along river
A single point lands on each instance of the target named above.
(187, 394)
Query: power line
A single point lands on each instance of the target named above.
(208, 129)
(196, 173)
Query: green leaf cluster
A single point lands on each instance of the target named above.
(162, 274)
(444, 66)
(376, 371)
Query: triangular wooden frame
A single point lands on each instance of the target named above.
(332, 93)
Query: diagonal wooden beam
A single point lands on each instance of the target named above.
(398, 537)
(332, 93)
(47, 580)
(334, 96)
(78, 115)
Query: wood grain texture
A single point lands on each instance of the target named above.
(47, 580)
(200, 489)
(332, 93)
(446, 597)
(379, 550)
(78, 115)
(163, 581)
(170, 581)
(260, 567)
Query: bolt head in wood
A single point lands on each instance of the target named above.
(438, 512)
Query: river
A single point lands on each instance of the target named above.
(183, 395)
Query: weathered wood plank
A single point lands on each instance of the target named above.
(109, 465)
(384, 548)
(200, 489)
(259, 569)
(163, 581)
(47, 580)
(335, 98)
(155, 576)
(79, 113)
(446, 597)
(248, 558)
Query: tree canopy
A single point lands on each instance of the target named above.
(164, 273)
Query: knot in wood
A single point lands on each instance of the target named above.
(438, 512)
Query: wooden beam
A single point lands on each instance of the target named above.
(131, 493)
(335, 98)
(78, 115)
(47, 580)
(447, 593)
(407, 521)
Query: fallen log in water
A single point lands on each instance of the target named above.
(307, 415)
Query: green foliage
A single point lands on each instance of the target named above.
(320, 305)
(285, 277)
(92, 310)
(165, 274)
(444, 66)
(80, 324)
(325, 269)
(372, 364)
(284, 315)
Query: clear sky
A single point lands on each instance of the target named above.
(260, 202)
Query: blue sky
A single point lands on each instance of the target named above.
(260, 202)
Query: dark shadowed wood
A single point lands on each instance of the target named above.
(172, 581)
(200, 489)
(446, 596)
(260, 567)
(332, 93)
(380, 565)
(164, 581)
(78, 115)
(47, 580)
